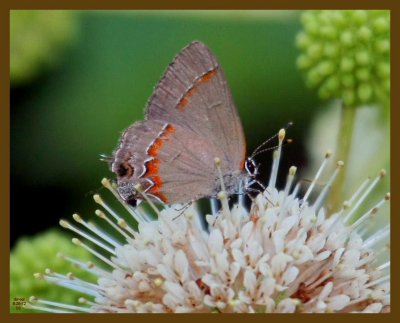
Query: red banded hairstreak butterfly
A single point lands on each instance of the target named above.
(190, 120)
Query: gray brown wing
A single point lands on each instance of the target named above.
(194, 94)
(171, 163)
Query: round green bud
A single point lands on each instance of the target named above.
(314, 51)
(346, 64)
(312, 27)
(362, 58)
(302, 40)
(328, 32)
(314, 77)
(364, 33)
(364, 92)
(332, 83)
(381, 25)
(307, 17)
(325, 68)
(363, 74)
(383, 70)
(346, 38)
(331, 50)
(303, 62)
(382, 46)
(360, 16)
(324, 92)
(338, 19)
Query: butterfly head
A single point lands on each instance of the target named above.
(251, 167)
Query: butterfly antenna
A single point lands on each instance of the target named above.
(287, 141)
(257, 150)
(106, 158)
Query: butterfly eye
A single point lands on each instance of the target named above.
(251, 167)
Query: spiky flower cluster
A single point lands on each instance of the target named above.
(346, 54)
(284, 255)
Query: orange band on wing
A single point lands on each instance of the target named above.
(152, 165)
(205, 78)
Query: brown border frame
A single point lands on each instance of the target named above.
(6, 5)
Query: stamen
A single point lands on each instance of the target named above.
(85, 301)
(103, 216)
(383, 266)
(95, 253)
(290, 178)
(122, 223)
(138, 216)
(276, 159)
(67, 283)
(377, 281)
(46, 309)
(99, 233)
(217, 162)
(328, 154)
(364, 196)
(370, 212)
(70, 278)
(359, 190)
(376, 237)
(65, 224)
(241, 195)
(328, 185)
(139, 189)
(88, 267)
(35, 300)
(225, 205)
(214, 206)
(296, 189)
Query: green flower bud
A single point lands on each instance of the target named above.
(383, 70)
(381, 25)
(382, 46)
(347, 38)
(364, 33)
(32, 255)
(345, 52)
(303, 62)
(363, 74)
(362, 58)
(360, 16)
(364, 92)
(346, 65)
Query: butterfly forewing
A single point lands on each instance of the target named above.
(194, 94)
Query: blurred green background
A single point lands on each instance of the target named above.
(78, 79)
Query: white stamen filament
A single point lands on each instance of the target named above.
(276, 159)
(364, 196)
(327, 187)
(317, 176)
(67, 225)
(99, 233)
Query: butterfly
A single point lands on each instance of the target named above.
(190, 120)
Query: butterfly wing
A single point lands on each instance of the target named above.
(170, 162)
(194, 94)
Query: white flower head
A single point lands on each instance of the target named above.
(285, 254)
